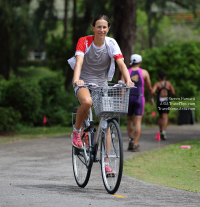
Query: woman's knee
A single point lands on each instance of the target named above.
(87, 102)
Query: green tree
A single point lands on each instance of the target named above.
(180, 62)
(125, 27)
(154, 18)
(44, 20)
(15, 24)
(65, 21)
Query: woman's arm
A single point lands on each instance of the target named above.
(172, 89)
(77, 70)
(154, 88)
(125, 74)
(147, 81)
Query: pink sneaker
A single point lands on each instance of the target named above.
(76, 139)
(108, 169)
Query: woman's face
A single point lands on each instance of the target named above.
(101, 28)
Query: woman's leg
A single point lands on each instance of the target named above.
(163, 121)
(86, 102)
(160, 121)
(82, 112)
(130, 126)
(163, 125)
(138, 122)
(130, 132)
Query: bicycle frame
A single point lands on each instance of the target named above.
(94, 141)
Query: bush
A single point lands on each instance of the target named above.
(25, 97)
(57, 104)
(147, 116)
(180, 62)
(58, 49)
(2, 88)
(149, 119)
(197, 107)
(9, 118)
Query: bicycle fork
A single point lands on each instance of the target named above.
(101, 134)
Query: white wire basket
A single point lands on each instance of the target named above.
(110, 102)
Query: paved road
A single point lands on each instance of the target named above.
(39, 173)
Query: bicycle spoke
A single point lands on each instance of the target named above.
(81, 159)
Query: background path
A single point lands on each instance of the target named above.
(39, 173)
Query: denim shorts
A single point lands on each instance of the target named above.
(76, 88)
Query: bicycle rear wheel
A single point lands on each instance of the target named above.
(112, 151)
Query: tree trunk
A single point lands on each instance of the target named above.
(74, 38)
(125, 28)
(65, 19)
(150, 29)
(4, 52)
(69, 73)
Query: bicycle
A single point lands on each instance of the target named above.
(109, 103)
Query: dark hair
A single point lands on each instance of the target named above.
(104, 17)
(161, 75)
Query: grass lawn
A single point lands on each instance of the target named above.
(34, 132)
(170, 166)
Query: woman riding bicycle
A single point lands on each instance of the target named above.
(94, 63)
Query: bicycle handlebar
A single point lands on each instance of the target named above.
(120, 84)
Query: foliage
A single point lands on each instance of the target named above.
(25, 97)
(2, 87)
(9, 118)
(167, 32)
(22, 31)
(149, 119)
(34, 74)
(57, 104)
(58, 51)
(34, 100)
(180, 61)
(44, 20)
(15, 33)
(197, 107)
(157, 9)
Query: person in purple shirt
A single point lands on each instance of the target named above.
(137, 100)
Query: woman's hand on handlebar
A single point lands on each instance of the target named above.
(78, 82)
(130, 83)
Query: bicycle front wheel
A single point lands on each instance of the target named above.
(112, 155)
(81, 171)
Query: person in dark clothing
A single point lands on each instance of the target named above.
(164, 89)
